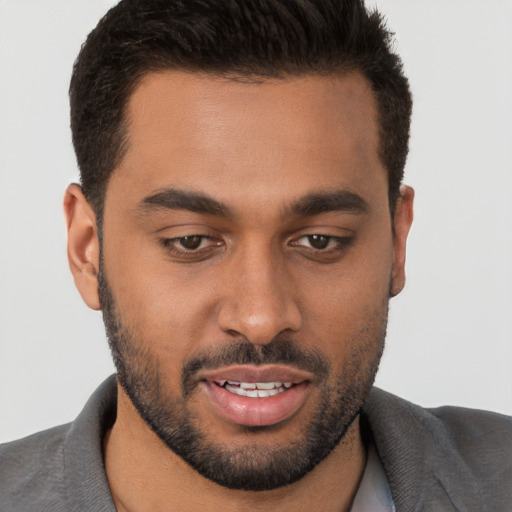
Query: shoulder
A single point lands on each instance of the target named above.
(460, 422)
(467, 430)
(462, 455)
(32, 471)
(61, 469)
(482, 439)
(470, 429)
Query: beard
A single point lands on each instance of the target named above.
(253, 467)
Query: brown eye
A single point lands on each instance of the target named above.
(318, 241)
(191, 242)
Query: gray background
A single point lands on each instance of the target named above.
(450, 335)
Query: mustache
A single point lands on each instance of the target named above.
(278, 351)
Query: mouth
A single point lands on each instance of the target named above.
(257, 396)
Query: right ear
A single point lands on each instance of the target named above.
(83, 244)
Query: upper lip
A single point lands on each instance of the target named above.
(251, 373)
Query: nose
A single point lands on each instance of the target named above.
(258, 302)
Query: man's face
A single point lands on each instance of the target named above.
(247, 264)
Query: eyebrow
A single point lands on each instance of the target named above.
(330, 201)
(175, 199)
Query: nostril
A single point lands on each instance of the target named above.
(234, 334)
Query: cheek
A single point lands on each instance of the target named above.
(345, 309)
(344, 291)
(350, 330)
(167, 307)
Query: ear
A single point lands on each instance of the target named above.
(402, 223)
(83, 244)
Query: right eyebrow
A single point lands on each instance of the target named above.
(177, 199)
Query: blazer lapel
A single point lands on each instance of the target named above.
(425, 470)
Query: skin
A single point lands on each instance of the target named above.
(257, 149)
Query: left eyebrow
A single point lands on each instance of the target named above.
(330, 201)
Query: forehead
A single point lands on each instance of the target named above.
(274, 139)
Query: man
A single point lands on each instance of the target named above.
(242, 225)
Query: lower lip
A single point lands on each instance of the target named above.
(257, 412)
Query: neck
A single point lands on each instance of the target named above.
(143, 474)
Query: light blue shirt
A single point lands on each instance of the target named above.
(374, 493)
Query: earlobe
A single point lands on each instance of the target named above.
(402, 223)
(83, 244)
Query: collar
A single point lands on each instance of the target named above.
(373, 493)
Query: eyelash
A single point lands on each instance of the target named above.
(342, 242)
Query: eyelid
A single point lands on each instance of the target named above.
(331, 253)
(169, 243)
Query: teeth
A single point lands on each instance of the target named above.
(263, 385)
(271, 392)
(256, 389)
(235, 389)
(256, 385)
(268, 385)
